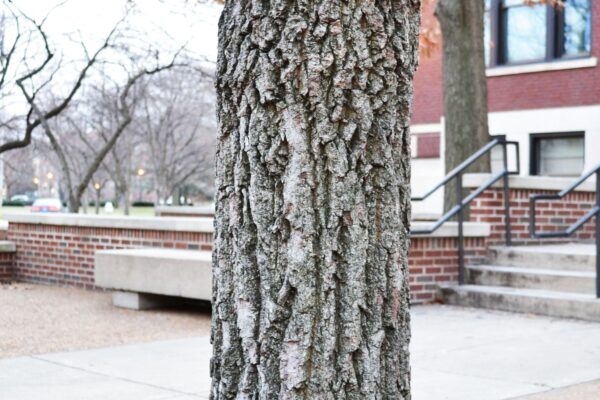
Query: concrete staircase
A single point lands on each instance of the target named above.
(553, 280)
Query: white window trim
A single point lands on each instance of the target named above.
(590, 62)
(425, 128)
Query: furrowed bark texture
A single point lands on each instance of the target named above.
(310, 269)
(465, 86)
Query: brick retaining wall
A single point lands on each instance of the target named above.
(550, 215)
(434, 261)
(7, 267)
(64, 254)
(60, 252)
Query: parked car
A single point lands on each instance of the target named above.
(47, 205)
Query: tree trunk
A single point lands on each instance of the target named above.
(310, 274)
(465, 86)
(74, 203)
(84, 204)
(126, 196)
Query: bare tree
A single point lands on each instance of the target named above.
(77, 187)
(19, 171)
(176, 122)
(34, 73)
(100, 181)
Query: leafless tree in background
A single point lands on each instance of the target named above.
(176, 124)
(85, 128)
(19, 171)
(34, 73)
(84, 111)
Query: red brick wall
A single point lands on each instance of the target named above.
(64, 255)
(6, 267)
(550, 215)
(428, 145)
(434, 261)
(565, 88)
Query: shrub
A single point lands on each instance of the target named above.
(16, 203)
(142, 204)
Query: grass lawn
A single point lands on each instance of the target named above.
(134, 211)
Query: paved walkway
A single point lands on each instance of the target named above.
(461, 354)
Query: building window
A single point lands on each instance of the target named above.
(558, 154)
(497, 155)
(521, 31)
(575, 28)
(487, 34)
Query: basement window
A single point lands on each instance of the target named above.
(557, 154)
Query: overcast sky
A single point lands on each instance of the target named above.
(169, 23)
(165, 25)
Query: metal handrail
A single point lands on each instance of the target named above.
(462, 203)
(594, 212)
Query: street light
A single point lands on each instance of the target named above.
(97, 202)
(50, 176)
(36, 180)
(140, 173)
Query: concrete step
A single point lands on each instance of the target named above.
(567, 257)
(532, 278)
(530, 301)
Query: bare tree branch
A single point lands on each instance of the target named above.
(31, 125)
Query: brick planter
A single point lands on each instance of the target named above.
(550, 215)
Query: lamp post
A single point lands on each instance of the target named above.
(36, 182)
(97, 202)
(140, 172)
(50, 177)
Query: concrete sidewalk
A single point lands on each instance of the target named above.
(461, 354)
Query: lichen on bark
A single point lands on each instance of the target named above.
(310, 272)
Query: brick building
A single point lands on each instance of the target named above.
(543, 91)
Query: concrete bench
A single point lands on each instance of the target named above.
(139, 276)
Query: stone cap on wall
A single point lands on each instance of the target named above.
(473, 181)
(7, 247)
(159, 210)
(3, 225)
(178, 224)
(450, 229)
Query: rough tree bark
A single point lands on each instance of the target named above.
(310, 286)
(465, 87)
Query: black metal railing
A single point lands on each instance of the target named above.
(594, 212)
(462, 203)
